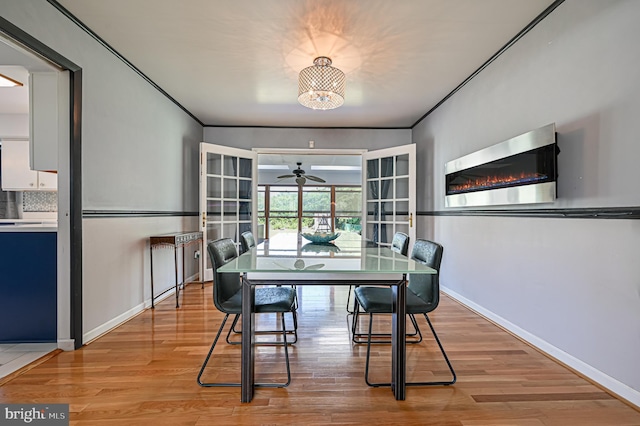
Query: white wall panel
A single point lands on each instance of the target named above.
(119, 250)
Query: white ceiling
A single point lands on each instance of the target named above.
(17, 63)
(235, 63)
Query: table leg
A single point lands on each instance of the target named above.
(248, 340)
(152, 295)
(175, 259)
(398, 342)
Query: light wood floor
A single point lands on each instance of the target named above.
(143, 373)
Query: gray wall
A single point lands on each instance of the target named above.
(570, 286)
(139, 152)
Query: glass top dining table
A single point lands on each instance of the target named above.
(348, 260)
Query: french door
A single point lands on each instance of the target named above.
(389, 193)
(227, 196)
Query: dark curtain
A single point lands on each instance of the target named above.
(373, 190)
(244, 192)
(386, 170)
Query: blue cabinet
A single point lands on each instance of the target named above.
(28, 287)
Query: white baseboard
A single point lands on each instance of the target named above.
(66, 344)
(125, 316)
(194, 279)
(100, 330)
(623, 391)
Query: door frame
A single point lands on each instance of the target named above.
(69, 285)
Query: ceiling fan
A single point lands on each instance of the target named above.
(300, 176)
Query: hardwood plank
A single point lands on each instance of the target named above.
(144, 373)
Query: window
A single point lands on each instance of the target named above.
(317, 208)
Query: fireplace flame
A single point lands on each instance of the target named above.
(493, 182)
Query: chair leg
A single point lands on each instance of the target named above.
(435, 383)
(366, 368)
(294, 314)
(206, 360)
(349, 299)
(446, 358)
(358, 338)
(262, 385)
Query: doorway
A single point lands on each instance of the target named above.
(69, 227)
(328, 200)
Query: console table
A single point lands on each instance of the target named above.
(173, 240)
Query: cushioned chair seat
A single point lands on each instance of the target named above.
(377, 300)
(268, 300)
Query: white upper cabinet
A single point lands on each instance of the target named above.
(48, 117)
(16, 173)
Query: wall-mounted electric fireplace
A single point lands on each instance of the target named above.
(521, 170)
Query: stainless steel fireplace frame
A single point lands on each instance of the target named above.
(544, 192)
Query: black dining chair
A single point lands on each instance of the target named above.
(247, 241)
(423, 296)
(399, 244)
(227, 298)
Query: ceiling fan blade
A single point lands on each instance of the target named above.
(300, 180)
(286, 176)
(316, 178)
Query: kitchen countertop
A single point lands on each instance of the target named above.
(28, 225)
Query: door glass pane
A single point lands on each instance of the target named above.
(229, 231)
(386, 210)
(402, 188)
(386, 167)
(244, 192)
(230, 188)
(244, 227)
(402, 227)
(245, 210)
(213, 232)
(230, 211)
(372, 169)
(386, 189)
(230, 166)
(372, 190)
(372, 231)
(214, 210)
(373, 211)
(402, 210)
(245, 167)
(214, 189)
(214, 164)
(385, 233)
(402, 165)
